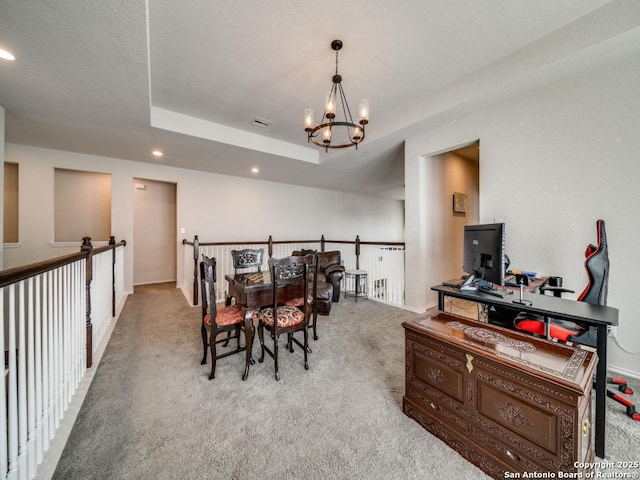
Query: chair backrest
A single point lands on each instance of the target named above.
(290, 278)
(248, 258)
(208, 287)
(597, 266)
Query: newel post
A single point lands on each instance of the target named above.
(196, 254)
(322, 243)
(270, 244)
(357, 252)
(112, 244)
(88, 249)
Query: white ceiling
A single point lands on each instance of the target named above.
(119, 78)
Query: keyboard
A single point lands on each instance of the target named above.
(455, 283)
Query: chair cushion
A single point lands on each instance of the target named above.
(538, 327)
(298, 302)
(287, 316)
(226, 316)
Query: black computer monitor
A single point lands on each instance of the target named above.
(483, 255)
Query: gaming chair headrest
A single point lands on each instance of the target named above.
(597, 266)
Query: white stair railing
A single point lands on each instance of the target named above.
(384, 263)
(44, 333)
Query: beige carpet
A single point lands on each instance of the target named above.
(151, 412)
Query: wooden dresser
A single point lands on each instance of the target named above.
(506, 401)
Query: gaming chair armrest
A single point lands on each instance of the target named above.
(557, 291)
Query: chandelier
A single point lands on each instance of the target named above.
(337, 131)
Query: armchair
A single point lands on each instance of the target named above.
(330, 273)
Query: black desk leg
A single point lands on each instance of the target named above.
(601, 389)
(441, 301)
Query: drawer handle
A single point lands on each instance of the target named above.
(586, 427)
(513, 456)
(469, 364)
(434, 406)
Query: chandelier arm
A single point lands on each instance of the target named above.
(315, 133)
(345, 105)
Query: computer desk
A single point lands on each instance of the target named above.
(553, 307)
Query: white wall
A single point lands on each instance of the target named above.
(215, 207)
(553, 161)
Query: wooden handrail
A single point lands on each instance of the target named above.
(106, 248)
(266, 242)
(17, 274)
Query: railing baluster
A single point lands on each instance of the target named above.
(58, 349)
(51, 353)
(38, 369)
(30, 386)
(22, 385)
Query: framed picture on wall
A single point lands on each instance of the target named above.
(459, 202)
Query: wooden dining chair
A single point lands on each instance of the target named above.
(229, 319)
(247, 260)
(289, 276)
(312, 300)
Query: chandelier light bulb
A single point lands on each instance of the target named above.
(330, 106)
(308, 119)
(357, 133)
(364, 111)
(326, 135)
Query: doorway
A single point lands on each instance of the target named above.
(458, 193)
(154, 231)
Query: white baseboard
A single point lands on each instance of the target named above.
(187, 295)
(623, 372)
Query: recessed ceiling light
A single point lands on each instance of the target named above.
(157, 153)
(6, 55)
(255, 170)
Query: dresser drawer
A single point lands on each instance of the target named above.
(506, 451)
(436, 404)
(438, 366)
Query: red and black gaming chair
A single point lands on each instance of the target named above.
(597, 266)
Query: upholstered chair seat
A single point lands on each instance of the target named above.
(226, 316)
(287, 316)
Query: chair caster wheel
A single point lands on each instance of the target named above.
(252, 361)
(277, 376)
(306, 366)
